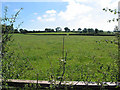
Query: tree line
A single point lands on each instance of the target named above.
(59, 29)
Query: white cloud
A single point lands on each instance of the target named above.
(107, 3)
(99, 3)
(50, 19)
(50, 15)
(71, 1)
(74, 10)
(45, 16)
(30, 0)
(81, 0)
(88, 13)
(81, 13)
(50, 11)
(53, 14)
(39, 18)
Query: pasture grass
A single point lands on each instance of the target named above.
(44, 53)
(54, 33)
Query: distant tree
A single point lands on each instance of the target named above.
(58, 29)
(96, 30)
(49, 30)
(101, 31)
(108, 32)
(33, 31)
(85, 30)
(23, 31)
(16, 31)
(46, 30)
(79, 29)
(67, 29)
(38, 31)
(115, 29)
(90, 30)
(52, 30)
(73, 30)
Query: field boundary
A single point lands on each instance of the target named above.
(75, 84)
(75, 34)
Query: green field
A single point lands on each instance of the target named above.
(55, 33)
(44, 53)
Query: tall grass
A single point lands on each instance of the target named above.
(81, 50)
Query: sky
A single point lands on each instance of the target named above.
(41, 14)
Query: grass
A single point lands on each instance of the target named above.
(54, 33)
(105, 33)
(45, 51)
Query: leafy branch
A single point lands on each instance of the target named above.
(115, 11)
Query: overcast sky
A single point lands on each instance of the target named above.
(41, 14)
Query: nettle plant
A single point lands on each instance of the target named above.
(56, 78)
(12, 66)
(117, 34)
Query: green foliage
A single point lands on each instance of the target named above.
(67, 29)
(91, 58)
(115, 11)
(58, 29)
(12, 67)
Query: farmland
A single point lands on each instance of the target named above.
(44, 53)
(55, 33)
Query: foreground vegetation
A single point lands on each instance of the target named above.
(90, 58)
(86, 55)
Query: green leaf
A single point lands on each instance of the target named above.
(111, 11)
(103, 8)
(117, 19)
